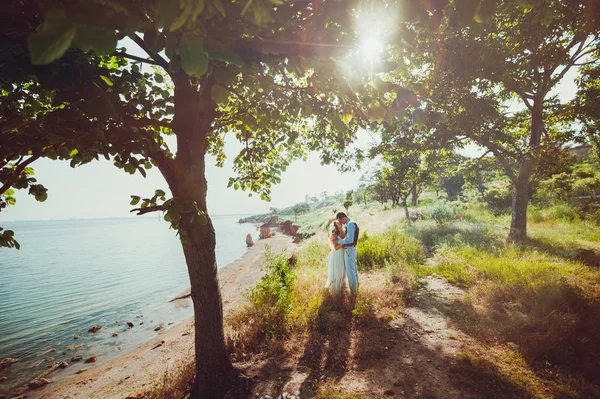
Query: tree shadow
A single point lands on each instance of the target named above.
(327, 347)
(559, 339)
(473, 234)
(402, 359)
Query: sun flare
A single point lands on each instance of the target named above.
(374, 26)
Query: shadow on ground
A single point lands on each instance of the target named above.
(420, 353)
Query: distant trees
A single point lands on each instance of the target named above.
(348, 202)
(300, 209)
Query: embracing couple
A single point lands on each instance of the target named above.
(343, 256)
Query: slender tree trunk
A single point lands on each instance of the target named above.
(518, 223)
(405, 206)
(194, 111)
(414, 196)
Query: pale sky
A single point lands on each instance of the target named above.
(100, 190)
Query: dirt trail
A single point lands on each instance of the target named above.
(415, 355)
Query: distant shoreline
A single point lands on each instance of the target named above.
(148, 216)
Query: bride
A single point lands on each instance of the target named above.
(337, 269)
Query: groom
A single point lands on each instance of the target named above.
(350, 253)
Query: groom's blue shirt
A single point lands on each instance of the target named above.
(350, 233)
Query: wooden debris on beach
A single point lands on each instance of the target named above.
(35, 383)
(161, 343)
(181, 297)
(51, 350)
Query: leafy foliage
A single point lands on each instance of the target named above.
(273, 294)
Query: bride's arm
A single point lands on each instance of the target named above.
(334, 241)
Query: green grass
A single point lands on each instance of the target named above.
(396, 247)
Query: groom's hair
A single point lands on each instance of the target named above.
(340, 215)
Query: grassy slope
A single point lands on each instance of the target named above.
(530, 313)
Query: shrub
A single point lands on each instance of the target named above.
(589, 186)
(442, 214)
(498, 196)
(273, 294)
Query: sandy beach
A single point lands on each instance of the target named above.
(138, 369)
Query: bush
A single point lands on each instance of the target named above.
(498, 197)
(442, 214)
(273, 294)
(589, 186)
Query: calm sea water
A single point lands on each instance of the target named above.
(71, 275)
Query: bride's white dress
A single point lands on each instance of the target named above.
(337, 271)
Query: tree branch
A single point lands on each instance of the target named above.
(146, 122)
(136, 58)
(18, 170)
(148, 209)
(160, 60)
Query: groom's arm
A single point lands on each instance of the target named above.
(349, 235)
(355, 241)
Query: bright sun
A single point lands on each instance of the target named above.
(374, 26)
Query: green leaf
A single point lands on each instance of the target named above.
(159, 193)
(134, 200)
(182, 18)
(219, 7)
(194, 60)
(225, 76)
(106, 80)
(142, 171)
(248, 4)
(419, 117)
(51, 42)
(166, 12)
(219, 95)
(158, 78)
(338, 124)
(220, 52)
(485, 11)
(170, 45)
(98, 39)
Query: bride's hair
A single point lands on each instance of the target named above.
(332, 227)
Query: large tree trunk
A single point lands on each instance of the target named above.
(518, 223)
(194, 112)
(213, 368)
